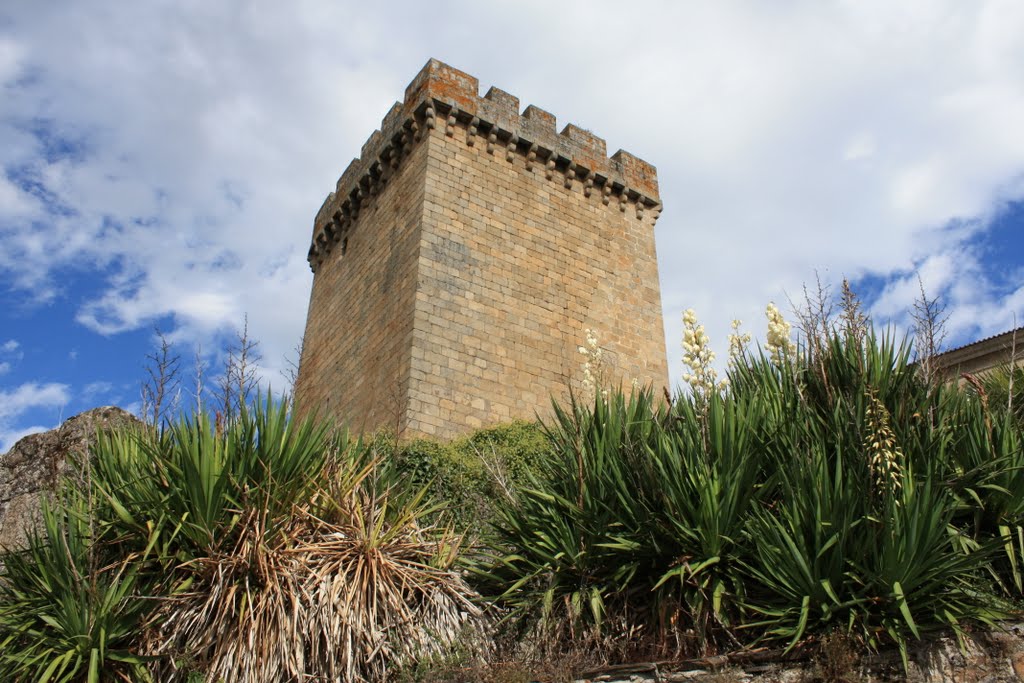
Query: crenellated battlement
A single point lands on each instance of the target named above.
(444, 97)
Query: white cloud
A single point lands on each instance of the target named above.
(973, 307)
(14, 203)
(10, 349)
(200, 138)
(135, 408)
(31, 395)
(96, 389)
(18, 401)
(936, 273)
(862, 146)
(11, 55)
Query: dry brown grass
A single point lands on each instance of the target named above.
(345, 596)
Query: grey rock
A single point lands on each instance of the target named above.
(35, 465)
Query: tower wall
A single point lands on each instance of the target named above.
(479, 243)
(356, 349)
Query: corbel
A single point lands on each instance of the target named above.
(453, 118)
(510, 148)
(429, 118)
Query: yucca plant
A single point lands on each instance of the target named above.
(988, 467)
(347, 596)
(1004, 389)
(824, 559)
(571, 546)
(191, 481)
(70, 609)
(874, 476)
(707, 475)
(280, 550)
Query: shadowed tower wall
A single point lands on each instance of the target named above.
(461, 258)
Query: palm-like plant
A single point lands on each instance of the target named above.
(877, 474)
(351, 588)
(708, 473)
(69, 611)
(572, 535)
(192, 481)
(824, 492)
(253, 550)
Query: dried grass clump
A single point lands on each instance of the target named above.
(347, 596)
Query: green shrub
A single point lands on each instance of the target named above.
(833, 493)
(573, 551)
(475, 475)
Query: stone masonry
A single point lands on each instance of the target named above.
(462, 256)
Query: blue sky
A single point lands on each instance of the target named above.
(161, 163)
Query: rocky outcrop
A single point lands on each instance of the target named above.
(36, 463)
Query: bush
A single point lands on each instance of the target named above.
(574, 550)
(474, 475)
(834, 493)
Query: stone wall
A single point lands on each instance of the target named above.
(992, 656)
(462, 256)
(357, 344)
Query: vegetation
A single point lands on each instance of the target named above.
(257, 549)
(821, 492)
(832, 493)
(65, 613)
(476, 475)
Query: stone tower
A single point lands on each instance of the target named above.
(461, 257)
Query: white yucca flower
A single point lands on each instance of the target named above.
(698, 358)
(777, 343)
(738, 342)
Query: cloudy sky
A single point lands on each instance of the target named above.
(162, 161)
